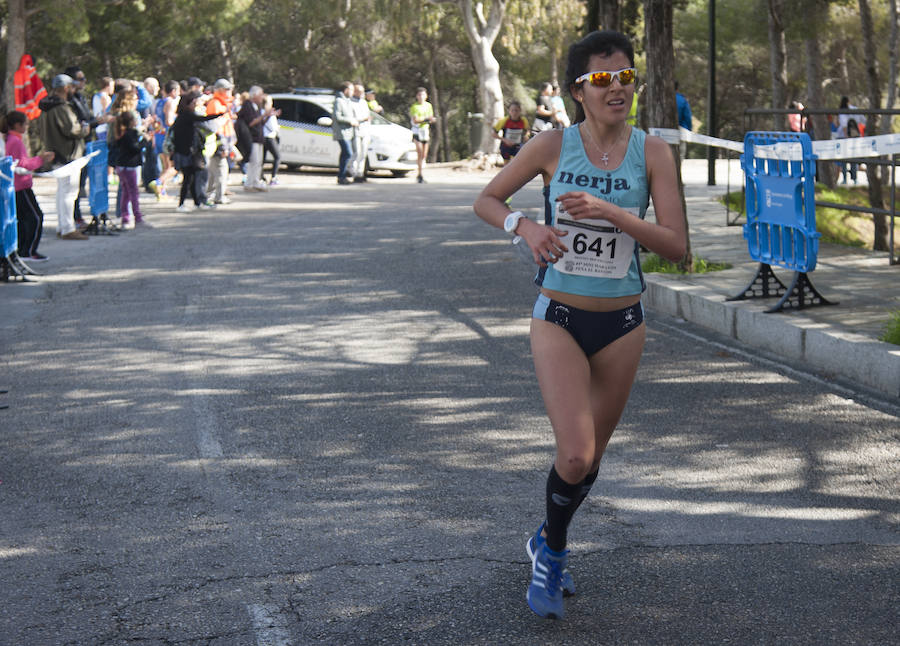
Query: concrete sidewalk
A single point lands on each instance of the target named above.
(839, 340)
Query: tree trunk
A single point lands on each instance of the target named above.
(820, 127)
(482, 33)
(226, 58)
(892, 72)
(610, 15)
(554, 67)
(592, 16)
(343, 24)
(778, 61)
(440, 126)
(660, 101)
(876, 197)
(15, 49)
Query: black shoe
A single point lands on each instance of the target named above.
(343, 180)
(420, 179)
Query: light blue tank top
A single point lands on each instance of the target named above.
(625, 186)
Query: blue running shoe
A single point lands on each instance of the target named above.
(534, 544)
(545, 593)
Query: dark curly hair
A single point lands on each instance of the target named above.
(11, 119)
(604, 43)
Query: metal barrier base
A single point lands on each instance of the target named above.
(101, 226)
(765, 284)
(800, 294)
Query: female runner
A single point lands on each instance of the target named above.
(587, 330)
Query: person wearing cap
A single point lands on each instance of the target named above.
(63, 133)
(374, 106)
(195, 85)
(83, 111)
(220, 103)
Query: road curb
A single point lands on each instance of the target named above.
(873, 364)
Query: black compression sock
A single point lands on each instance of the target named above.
(586, 485)
(562, 501)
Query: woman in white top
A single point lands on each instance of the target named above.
(271, 141)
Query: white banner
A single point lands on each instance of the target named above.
(72, 168)
(852, 147)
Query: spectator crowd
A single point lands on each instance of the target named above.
(179, 139)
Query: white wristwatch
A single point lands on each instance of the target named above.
(512, 221)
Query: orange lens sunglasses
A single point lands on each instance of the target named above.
(604, 79)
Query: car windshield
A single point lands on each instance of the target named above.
(377, 119)
(328, 103)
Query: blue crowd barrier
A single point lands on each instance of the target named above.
(10, 233)
(98, 191)
(780, 200)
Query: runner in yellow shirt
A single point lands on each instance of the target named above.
(421, 116)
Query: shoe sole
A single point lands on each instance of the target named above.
(549, 615)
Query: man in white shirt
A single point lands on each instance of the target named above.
(361, 136)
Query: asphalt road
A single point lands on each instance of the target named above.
(311, 418)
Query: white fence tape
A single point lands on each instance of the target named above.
(877, 146)
(69, 169)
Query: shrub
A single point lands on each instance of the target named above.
(892, 329)
(654, 264)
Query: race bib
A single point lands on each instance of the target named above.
(596, 248)
(514, 135)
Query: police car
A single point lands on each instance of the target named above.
(306, 134)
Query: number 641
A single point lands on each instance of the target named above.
(580, 245)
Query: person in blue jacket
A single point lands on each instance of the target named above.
(685, 118)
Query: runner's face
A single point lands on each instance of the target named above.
(515, 112)
(606, 104)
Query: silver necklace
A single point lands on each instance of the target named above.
(604, 156)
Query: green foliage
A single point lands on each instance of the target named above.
(839, 226)
(655, 264)
(396, 45)
(892, 329)
(742, 56)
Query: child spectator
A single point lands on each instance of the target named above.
(28, 212)
(128, 162)
(512, 131)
